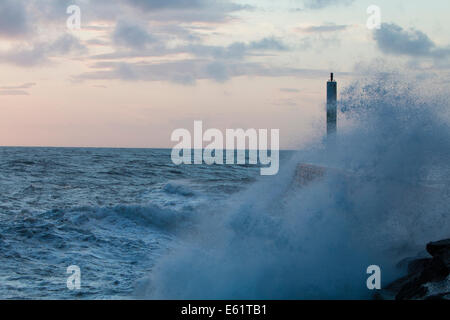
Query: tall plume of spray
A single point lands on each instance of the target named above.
(316, 242)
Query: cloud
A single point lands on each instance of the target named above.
(165, 4)
(152, 5)
(286, 102)
(236, 50)
(189, 71)
(131, 36)
(268, 44)
(13, 93)
(13, 19)
(24, 56)
(289, 90)
(320, 4)
(156, 48)
(187, 10)
(218, 71)
(218, 63)
(66, 44)
(393, 39)
(27, 85)
(17, 90)
(19, 17)
(323, 28)
(40, 53)
(145, 29)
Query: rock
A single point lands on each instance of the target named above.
(427, 278)
(441, 296)
(434, 271)
(416, 266)
(438, 247)
(411, 290)
(391, 291)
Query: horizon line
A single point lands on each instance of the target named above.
(125, 148)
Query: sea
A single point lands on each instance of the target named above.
(111, 212)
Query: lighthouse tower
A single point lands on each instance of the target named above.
(306, 173)
(331, 108)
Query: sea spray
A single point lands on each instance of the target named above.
(274, 242)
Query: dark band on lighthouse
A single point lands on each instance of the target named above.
(331, 106)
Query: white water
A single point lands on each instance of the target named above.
(271, 242)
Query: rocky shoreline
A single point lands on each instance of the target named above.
(427, 278)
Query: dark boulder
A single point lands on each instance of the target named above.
(423, 274)
(416, 266)
(439, 248)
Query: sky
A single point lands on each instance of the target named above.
(136, 70)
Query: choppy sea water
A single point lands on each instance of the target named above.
(112, 212)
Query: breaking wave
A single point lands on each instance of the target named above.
(385, 196)
(179, 188)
